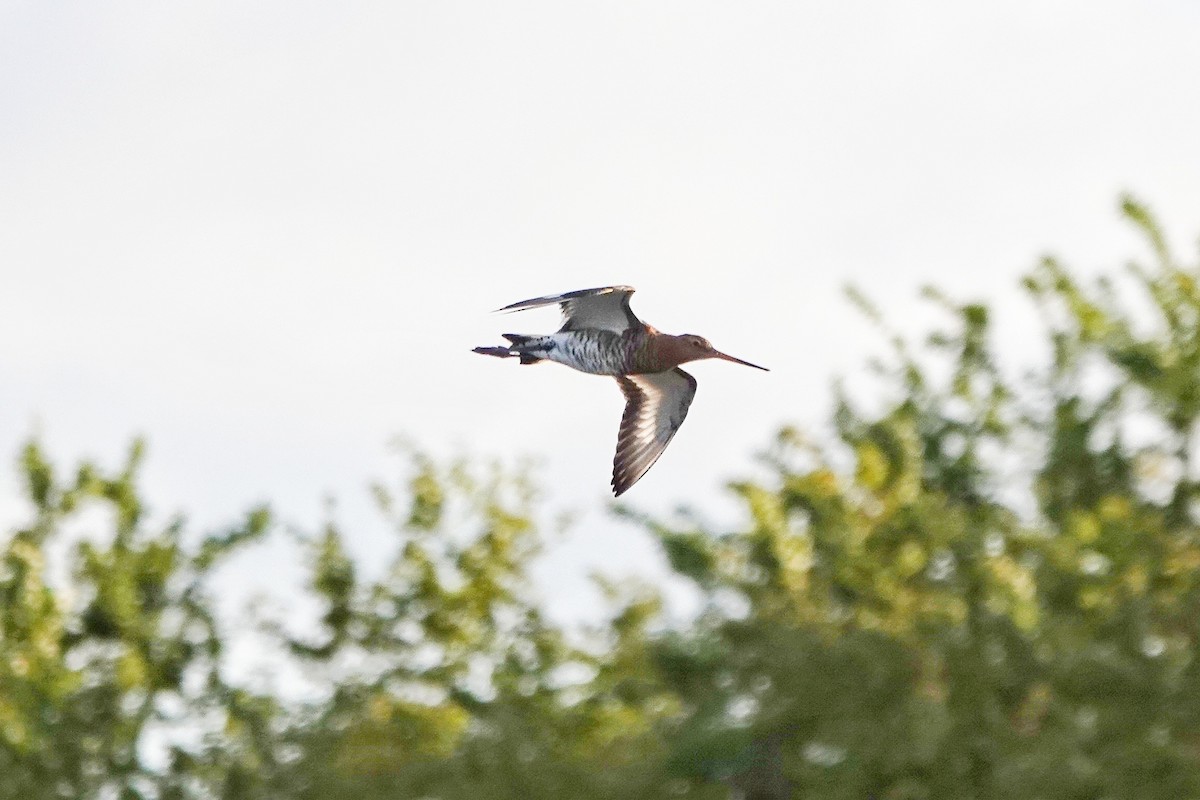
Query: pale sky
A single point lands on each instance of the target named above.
(266, 235)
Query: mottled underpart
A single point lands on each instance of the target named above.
(597, 352)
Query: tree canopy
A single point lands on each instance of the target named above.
(984, 585)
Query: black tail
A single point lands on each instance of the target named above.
(515, 342)
(498, 352)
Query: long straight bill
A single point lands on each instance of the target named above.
(719, 354)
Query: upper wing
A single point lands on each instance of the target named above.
(606, 308)
(655, 406)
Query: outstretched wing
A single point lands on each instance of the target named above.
(606, 308)
(655, 406)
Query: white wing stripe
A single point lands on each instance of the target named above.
(604, 308)
(655, 406)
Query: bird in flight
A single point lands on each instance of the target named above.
(602, 336)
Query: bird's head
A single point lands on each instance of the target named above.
(690, 347)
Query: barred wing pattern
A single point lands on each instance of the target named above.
(605, 308)
(656, 404)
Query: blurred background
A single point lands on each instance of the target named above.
(270, 529)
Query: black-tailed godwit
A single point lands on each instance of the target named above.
(602, 336)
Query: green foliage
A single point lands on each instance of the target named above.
(89, 671)
(981, 587)
(999, 599)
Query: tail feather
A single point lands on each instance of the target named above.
(498, 352)
(514, 349)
